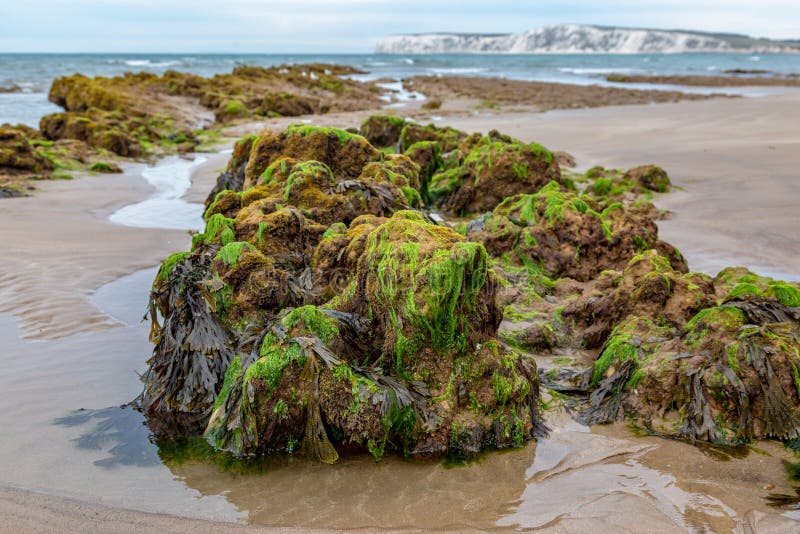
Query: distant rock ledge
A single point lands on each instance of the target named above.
(580, 39)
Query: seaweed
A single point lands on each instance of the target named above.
(192, 348)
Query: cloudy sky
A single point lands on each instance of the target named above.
(346, 25)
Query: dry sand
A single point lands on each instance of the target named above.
(737, 160)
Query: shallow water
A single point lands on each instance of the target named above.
(71, 438)
(171, 177)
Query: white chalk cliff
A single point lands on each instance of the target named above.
(576, 39)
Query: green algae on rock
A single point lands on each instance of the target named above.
(350, 320)
(382, 130)
(730, 376)
(388, 364)
(346, 318)
(142, 115)
(488, 169)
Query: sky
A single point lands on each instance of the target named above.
(343, 26)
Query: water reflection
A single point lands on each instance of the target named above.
(120, 426)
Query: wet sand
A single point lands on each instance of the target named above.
(739, 207)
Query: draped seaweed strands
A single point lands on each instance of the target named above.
(723, 380)
(193, 349)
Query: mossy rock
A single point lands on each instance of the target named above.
(729, 377)
(490, 169)
(17, 154)
(447, 137)
(650, 177)
(382, 130)
(344, 153)
(736, 283)
(231, 109)
(409, 364)
(288, 105)
(560, 233)
(428, 155)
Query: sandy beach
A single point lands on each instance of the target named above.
(735, 160)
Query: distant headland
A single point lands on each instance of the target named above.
(582, 39)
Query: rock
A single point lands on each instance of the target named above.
(105, 167)
(288, 105)
(649, 286)
(344, 153)
(447, 137)
(565, 234)
(565, 159)
(316, 310)
(488, 170)
(17, 154)
(142, 113)
(729, 377)
(650, 177)
(390, 364)
(428, 155)
(232, 179)
(382, 130)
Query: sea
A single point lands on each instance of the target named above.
(25, 78)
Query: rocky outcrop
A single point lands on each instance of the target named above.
(317, 310)
(342, 297)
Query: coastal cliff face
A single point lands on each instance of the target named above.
(576, 39)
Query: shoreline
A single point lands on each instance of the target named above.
(112, 251)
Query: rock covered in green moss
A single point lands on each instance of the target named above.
(651, 285)
(560, 233)
(142, 113)
(488, 170)
(289, 105)
(428, 155)
(18, 154)
(382, 130)
(404, 357)
(448, 138)
(650, 177)
(344, 153)
(730, 376)
(738, 282)
(344, 316)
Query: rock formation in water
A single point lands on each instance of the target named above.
(142, 115)
(579, 39)
(393, 298)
